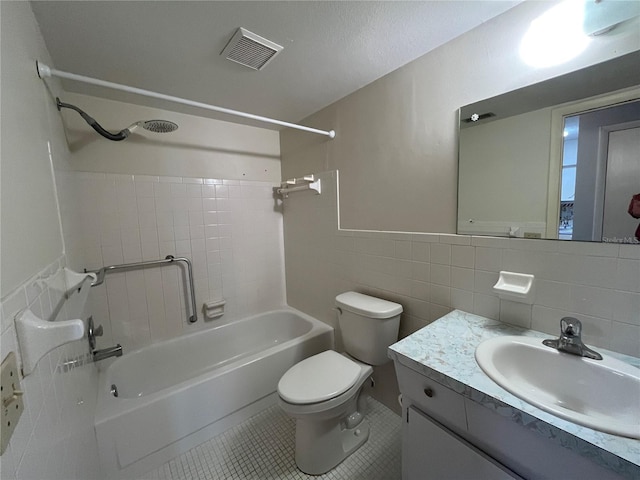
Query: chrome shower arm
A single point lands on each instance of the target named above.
(101, 272)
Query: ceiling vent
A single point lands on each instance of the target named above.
(250, 50)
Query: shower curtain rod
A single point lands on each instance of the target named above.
(46, 71)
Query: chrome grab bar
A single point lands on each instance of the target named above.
(101, 272)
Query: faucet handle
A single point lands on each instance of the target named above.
(93, 332)
(571, 327)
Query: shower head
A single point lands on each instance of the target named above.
(159, 126)
(156, 126)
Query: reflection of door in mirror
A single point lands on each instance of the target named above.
(600, 173)
(622, 182)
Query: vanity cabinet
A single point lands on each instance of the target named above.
(433, 451)
(449, 436)
(432, 447)
(455, 416)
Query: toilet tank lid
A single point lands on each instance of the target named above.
(367, 306)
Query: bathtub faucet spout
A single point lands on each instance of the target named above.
(107, 353)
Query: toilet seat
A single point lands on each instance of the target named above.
(318, 378)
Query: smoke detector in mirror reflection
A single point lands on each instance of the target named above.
(556, 36)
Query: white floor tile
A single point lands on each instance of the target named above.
(263, 448)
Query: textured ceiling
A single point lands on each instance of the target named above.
(330, 49)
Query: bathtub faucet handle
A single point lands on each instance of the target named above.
(93, 332)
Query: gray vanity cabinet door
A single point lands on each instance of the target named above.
(434, 452)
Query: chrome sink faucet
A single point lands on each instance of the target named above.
(570, 340)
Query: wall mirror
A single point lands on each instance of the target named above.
(555, 160)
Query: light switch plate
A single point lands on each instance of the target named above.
(11, 398)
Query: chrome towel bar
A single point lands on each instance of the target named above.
(101, 272)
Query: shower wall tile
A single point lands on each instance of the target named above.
(230, 231)
(57, 423)
(432, 274)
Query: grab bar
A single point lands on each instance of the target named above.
(101, 272)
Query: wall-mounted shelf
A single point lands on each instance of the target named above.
(38, 337)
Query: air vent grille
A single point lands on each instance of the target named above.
(250, 50)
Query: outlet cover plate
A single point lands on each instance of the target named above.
(11, 394)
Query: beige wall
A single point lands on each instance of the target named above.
(396, 144)
(201, 147)
(396, 152)
(431, 274)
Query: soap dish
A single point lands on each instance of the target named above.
(517, 287)
(38, 337)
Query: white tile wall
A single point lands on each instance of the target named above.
(432, 274)
(231, 231)
(54, 438)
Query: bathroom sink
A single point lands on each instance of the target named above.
(599, 394)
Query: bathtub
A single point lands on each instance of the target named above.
(179, 393)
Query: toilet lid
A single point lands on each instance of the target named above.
(318, 378)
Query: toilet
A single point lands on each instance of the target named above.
(322, 392)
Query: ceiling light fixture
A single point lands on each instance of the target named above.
(556, 36)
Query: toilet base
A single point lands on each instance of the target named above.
(322, 445)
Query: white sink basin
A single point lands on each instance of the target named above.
(600, 394)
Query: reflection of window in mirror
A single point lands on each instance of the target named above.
(568, 183)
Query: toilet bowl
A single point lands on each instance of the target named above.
(323, 392)
(329, 426)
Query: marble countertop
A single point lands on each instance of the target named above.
(444, 351)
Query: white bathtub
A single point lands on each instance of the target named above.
(176, 394)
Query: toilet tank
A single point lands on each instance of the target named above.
(368, 326)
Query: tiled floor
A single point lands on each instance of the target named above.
(262, 448)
